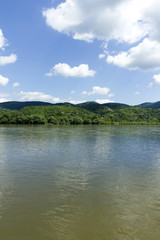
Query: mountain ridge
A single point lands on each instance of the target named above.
(37, 112)
(90, 105)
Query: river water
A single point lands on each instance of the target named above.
(79, 182)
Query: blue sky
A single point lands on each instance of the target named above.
(75, 51)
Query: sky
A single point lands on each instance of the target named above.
(80, 50)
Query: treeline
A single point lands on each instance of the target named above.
(79, 115)
(49, 115)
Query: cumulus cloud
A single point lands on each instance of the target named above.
(37, 96)
(76, 101)
(150, 85)
(16, 84)
(4, 100)
(157, 79)
(2, 39)
(50, 74)
(7, 59)
(88, 37)
(156, 82)
(111, 95)
(3, 81)
(102, 101)
(104, 20)
(73, 92)
(101, 56)
(144, 56)
(84, 93)
(65, 70)
(125, 21)
(97, 91)
(4, 97)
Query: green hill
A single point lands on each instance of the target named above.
(85, 113)
(13, 105)
(91, 106)
(155, 105)
(101, 108)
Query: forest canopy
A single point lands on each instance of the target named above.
(86, 113)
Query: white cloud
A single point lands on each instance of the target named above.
(50, 74)
(101, 56)
(84, 93)
(102, 101)
(157, 79)
(105, 20)
(2, 39)
(144, 56)
(156, 82)
(64, 17)
(150, 85)
(16, 84)
(7, 59)
(75, 101)
(125, 21)
(137, 93)
(65, 70)
(4, 97)
(97, 91)
(3, 81)
(37, 96)
(88, 37)
(73, 92)
(111, 95)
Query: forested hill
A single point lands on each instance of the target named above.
(84, 113)
(154, 105)
(101, 108)
(91, 106)
(13, 105)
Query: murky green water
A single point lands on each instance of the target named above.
(80, 183)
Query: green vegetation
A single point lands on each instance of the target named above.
(155, 105)
(13, 105)
(86, 113)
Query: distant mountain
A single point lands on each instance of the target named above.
(90, 106)
(13, 105)
(64, 104)
(154, 105)
(101, 108)
(84, 113)
(95, 104)
(115, 105)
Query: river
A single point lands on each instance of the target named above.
(79, 182)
